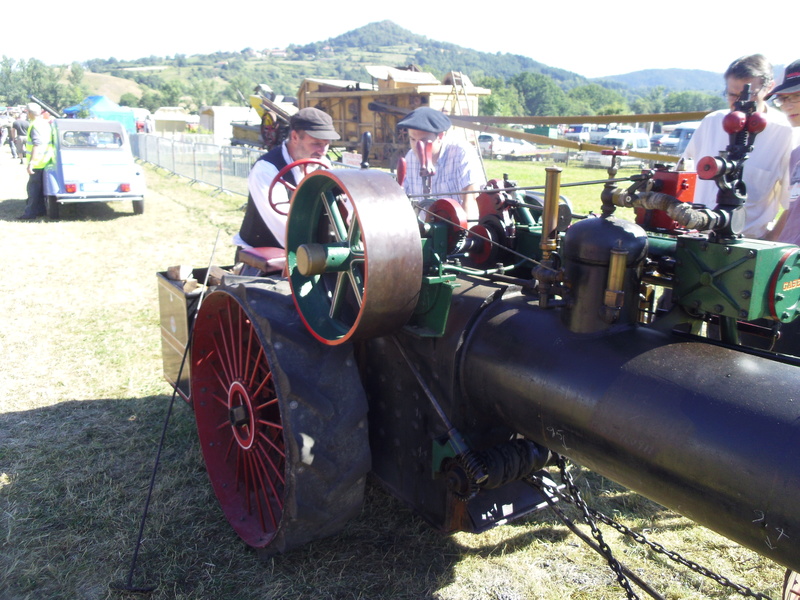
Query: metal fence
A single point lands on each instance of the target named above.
(223, 167)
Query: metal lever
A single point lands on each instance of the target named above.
(366, 147)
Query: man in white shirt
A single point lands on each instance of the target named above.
(310, 133)
(765, 172)
(457, 164)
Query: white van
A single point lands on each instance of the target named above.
(679, 138)
(632, 141)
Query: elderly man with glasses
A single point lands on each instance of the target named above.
(766, 172)
(786, 96)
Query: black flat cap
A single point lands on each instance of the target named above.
(425, 119)
(317, 123)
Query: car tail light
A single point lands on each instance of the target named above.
(124, 187)
(71, 188)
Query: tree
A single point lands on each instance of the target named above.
(598, 99)
(504, 101)
(172, 92)
(151, 100)
(129, 99)
(75, 75)
(204, 92)
(540, 95)
(693, 101)
(651, 103)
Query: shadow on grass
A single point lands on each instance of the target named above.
(73, 482)
(11, 209)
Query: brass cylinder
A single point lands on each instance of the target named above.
(552, 192)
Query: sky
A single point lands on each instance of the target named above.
(585, 37)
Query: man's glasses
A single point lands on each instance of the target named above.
(781, 99)
(731, 97)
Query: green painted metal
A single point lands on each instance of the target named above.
(740, 279)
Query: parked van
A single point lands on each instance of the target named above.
(632, 141)
(578, 133)
(679, 138)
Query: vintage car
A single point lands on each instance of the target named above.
(93, 163)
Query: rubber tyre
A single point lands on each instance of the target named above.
(323, 418)
(138, 207)
(51, 208)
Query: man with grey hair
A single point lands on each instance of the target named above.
(765, 173)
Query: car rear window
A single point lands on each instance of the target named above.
(91, 139)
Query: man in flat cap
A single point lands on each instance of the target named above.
(457, 164)
(310, 133)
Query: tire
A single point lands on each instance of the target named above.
(138, 207)
(281, 418)
(51, 208)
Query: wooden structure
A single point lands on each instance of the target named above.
(376, 107)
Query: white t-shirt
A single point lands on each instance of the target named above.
(765, 174)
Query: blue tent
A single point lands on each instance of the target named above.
(101, 107)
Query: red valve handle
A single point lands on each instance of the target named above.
(756, 123)
(401, 170)
(708, 167)
(429, 167)
(734, 122)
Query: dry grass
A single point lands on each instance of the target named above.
(81, 411)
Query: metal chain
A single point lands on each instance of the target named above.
(575, 499)
(589, 519)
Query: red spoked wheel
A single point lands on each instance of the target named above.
(279, 178)
(281, 468)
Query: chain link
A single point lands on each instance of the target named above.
(604, 548)
(590, 516)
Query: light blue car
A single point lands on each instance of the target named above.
(93, 163)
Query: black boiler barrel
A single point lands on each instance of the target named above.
(710, 432)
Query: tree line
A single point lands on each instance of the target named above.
(227, 78)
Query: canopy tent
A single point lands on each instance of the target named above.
(101, 107)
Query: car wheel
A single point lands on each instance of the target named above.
(138, 207)
(51, 207)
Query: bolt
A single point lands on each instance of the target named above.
(718, 308)
(748, 274)
(779, 297)
(742, 314)
(746, 294)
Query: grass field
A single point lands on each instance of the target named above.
(82, 407)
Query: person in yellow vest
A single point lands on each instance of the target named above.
(39, 146)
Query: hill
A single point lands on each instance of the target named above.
(672, 79)
(110, 86)
(223, 77)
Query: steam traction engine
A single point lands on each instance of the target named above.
(455, 361)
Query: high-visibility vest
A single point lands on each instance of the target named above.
(45, 134)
